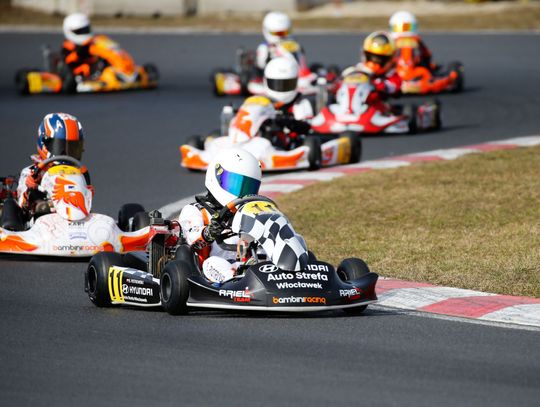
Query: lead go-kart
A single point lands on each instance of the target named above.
(114, 70)
(419, 79)
(276, 270)
(245, 79)
(62, 224)
(355, 113)
(255, 129)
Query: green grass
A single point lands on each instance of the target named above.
(470, 223)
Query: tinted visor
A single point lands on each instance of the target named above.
(58, 146)
(83, 30)
(282, 85)
(378, 59)
(282, 34)
(404, 27)
(236, 184)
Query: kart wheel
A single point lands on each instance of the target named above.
(353, 269)
(152, 71)
(437, 121)
(126, 217)
(196, 141)
(459, 84)
(185, 254)
(21, 81)
(356, 147)
(12, 216)
(140, 220)
(97, 275)
(174, 288)
(315, 153)
(411, 112)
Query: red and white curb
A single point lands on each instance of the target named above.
(406, 295)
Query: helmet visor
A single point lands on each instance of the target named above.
(83, 30)
(281, 34)
(378, 59)
(236, 184)
(282, 85)
(404, 27)
(58, 146)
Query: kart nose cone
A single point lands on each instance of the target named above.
(289, 260)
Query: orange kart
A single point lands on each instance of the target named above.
(418, 79)
(114, 70)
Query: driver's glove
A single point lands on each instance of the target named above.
(212, 230)
(31, 180)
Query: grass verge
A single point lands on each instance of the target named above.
(470, 223)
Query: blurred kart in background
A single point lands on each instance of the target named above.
(62, 224)
(259, 129)
(114, 70)
(246, 79)
(359, 110)
(419, 79)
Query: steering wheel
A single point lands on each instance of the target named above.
(67, 158)
(231, 208)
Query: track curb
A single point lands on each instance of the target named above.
(424, 297)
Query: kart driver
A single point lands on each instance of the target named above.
(378, 60)
(77, 47)
(234, 174)
(58, 134)
(403, 24)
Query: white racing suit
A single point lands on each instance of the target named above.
(218, 264)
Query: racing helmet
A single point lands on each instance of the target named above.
(379, 50)
(281, 79)
(77, 28)
(60, 134)
(276, 26)
(235, 173)
(403, 22)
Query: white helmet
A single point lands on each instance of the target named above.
(281, 79)
(233, 174)
(276, 26)
(403, 22)
(77, 28)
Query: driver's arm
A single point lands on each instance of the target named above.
(193, 222)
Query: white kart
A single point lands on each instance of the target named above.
(67, 227)
(254, 129)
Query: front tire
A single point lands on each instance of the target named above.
(459, 84)
(349, 270)
(356, 147)
(96, 277)
(152, 72)
(174, 287)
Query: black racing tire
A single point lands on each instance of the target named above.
(438, 120)
(174, 287)
(21, 81)
(96, 277)
(126, 213)
(140, 220)
(353, 269)
(315, 152)
(69, 84)
(196, 141)
(411, 112)
(459, 84)
(152, 71)
(356, 146)
(185, 254)
(12, 216)
(311, 256)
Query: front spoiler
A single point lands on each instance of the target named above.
(279, 308)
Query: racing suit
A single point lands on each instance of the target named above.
(265, 52)
(387, 85)
(218, 264)
(29, 180)
(79, 58)
(423, 58)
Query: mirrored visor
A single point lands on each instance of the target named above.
(58, 146)
(404, 27)
(236, 184)
(282, 85)
(378, 59)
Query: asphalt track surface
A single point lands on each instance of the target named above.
(56, 348)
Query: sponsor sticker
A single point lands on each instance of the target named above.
(299, 300)
(237, 295)
(299, 275)
(351, 293)
(268, 268)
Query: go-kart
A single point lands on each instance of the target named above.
(254, 129)
(358, 110)
(61, 224)
(418, 79)
(114, 70)
(245, 79)
(275, 271)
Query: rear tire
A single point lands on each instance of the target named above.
(152, 71)
(12, 216)
(315, 153)
(356, 147)
(196, 141)
(21, 82)
(411, 112)
(459, 84)
(174, 287)
(96, 277)
(353, 269)
(126, 215)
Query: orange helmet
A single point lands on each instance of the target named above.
(379, 50)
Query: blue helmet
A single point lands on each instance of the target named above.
(60, 134)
